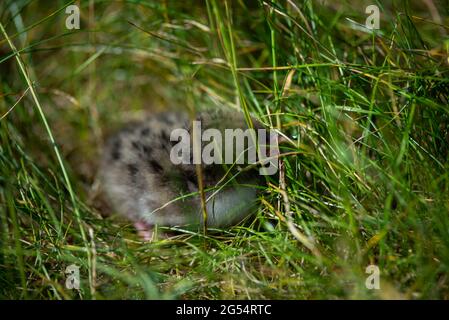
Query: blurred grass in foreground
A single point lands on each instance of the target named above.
(364, 181)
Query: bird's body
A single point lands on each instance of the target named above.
(142, 182)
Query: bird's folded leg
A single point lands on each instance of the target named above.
(144, 230)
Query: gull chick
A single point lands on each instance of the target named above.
(142, 183)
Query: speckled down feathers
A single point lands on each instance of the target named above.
(143, 184)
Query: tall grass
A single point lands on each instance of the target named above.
(363, 176)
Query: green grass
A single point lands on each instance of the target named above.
(364, 177)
